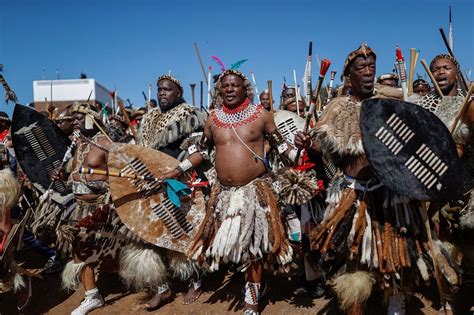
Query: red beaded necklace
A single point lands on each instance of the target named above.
(225, 117)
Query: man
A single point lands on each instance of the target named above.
(6, 159)
(242, 223)
(117, 129)
(446, 106)
(421, 87)
(10, 280)
(288, 101)
(164, 129)
(153, 103)
(265, 100)
(91, 192)
(388, 79)
(138, 115)
(64, 121)
(358, 193)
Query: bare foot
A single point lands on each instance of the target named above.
(159, 299)
(192, 295)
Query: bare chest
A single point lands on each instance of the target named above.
(249, 133)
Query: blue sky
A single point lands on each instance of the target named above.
(128, 44)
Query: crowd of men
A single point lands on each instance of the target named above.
(308, 203)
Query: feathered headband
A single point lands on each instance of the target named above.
(172, 79)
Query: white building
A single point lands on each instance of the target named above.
(65, 92)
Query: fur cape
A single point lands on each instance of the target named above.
(338, 129)
(157, 129)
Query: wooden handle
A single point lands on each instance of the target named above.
(412, 70)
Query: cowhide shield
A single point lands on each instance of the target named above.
(144, 206)
(39, 146)
(410, 150)
(288, 123)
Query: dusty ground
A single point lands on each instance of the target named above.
(222, 293)
(49, 299)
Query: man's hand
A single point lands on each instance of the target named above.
(170, 174)
(302, 140)
(58, 174)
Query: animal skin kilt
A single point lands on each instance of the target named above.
(96, 235)
(369, 234)
(242, 224)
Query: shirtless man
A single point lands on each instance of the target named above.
(91, 193)
(248, 225)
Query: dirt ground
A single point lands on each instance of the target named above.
(222, 295)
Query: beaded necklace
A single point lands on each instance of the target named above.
(224, 117)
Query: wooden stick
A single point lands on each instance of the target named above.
(116, 173)
(412, 70)
(433, 80)
(463, 109)
(100, 128)
(378, 242)
(431, 245)
(450, 51)
(200, 62)
(127, 120)
(270, 96)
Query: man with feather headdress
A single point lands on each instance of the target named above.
(243, 221)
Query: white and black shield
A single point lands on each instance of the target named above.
(410, 150)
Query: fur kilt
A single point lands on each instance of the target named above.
(371, 235)
(242, 224)
(96, 238)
